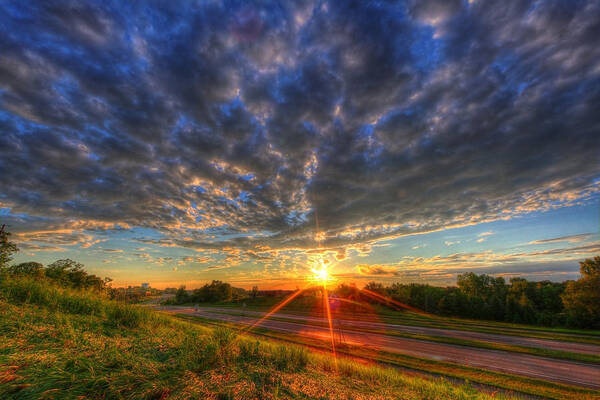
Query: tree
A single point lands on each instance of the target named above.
(581, 298)
(70, 273)
(33, 269)
(65, 272)
(375, 287)
(254, 292)
(7, 248)
(181, 296)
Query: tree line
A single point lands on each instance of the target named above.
(213, 292)
(481, 296)
(66, 272)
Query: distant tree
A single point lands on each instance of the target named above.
(33, 269)
(181, 296)
(71, 273)
(254, 292)
(581, 298)
(375, 287)
(7, 249)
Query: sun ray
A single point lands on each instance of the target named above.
(278, 307)
(328, 313)
(386, 299)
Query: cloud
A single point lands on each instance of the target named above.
(572, 239)
(219, 128)
(91, 243)
(111, 250)
(33, 247)
(376, 270)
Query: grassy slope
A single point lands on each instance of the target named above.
(58, 343)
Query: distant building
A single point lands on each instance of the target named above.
(145, 285)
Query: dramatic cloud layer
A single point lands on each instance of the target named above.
(279, 126)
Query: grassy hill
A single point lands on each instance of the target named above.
(58, 343)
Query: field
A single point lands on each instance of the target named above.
(59, 343)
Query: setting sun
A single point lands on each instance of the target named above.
(321, 274)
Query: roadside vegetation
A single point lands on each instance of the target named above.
(60, 342)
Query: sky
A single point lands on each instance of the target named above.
(184, 141)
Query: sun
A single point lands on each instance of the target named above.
(321, 274)
(320, 271)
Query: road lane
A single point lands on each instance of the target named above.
(569, 372)
(573, 347)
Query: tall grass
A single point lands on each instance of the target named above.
(44, 293)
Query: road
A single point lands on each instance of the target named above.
(562, 371)
(467, 335)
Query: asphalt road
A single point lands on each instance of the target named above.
(487, 337)
(569, 372)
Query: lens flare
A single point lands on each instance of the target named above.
(321, 271)
(321, 274)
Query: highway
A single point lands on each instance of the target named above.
(562, 371)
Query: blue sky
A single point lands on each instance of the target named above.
(406, 141)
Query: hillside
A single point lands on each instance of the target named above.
(60, 343)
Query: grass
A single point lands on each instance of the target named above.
(506, 381)
(57, 343)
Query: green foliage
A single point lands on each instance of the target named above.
(181, 296)
(582, 297)
(125, 315)
(67, 273)
(43, 293)
(32, 269)
(71, 274)
(7, 249)
(290, 358)
(575, 304)
(214, 292)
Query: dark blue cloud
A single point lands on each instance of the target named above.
(378, 118)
